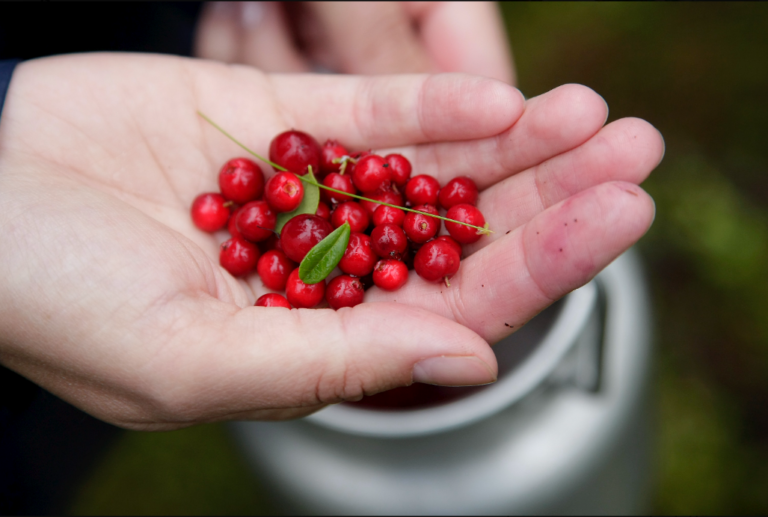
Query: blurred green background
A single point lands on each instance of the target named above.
(699, 73)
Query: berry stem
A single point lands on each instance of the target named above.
(484, 230)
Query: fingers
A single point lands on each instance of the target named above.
(511, 280)
(259, 361)
(465, 37)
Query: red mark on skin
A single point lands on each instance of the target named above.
(630, 192)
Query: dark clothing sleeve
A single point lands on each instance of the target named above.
(6, 70)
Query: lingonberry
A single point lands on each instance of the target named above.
(323, 211)
(400, 169)
(451, 241)
(353, 213)
(284, 192)
(238, 256)
(330, 151)
(388, 215)
(436, 260)
(371, 174)
(256, 221)
(273, 268)
(272, 300)
(422, 190)
(465, 214)
(389, 241)
(295, 151)
(241, 180)
(301, 295)
(358, 258)
(457, 191)
(390, 274)
(393, 198)
(210, 211)
(232, 223)
(344, 291)
(338, 181)
(420, 228)
(301, 233)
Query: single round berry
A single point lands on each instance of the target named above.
(232, 223)
(241, 180)
(210, 211)
(465, 214)
(338, 181)
(358, 258)
(452, 242)
(273, 268)
(256, 221)
(238, 256)
(344, 291)
(350, 166)
(301, 295)
(457, 191)
(371, 174)
(400, 169)
(272, 300)
(323, 211)
(295, 151)
(420, 228)
(284, 192)
(393, 198)
(389, 241)
(422, 190)
(330, 151)
(436, 260)
(354, 214)
(301, 233)
(388, 215)
(390, 274)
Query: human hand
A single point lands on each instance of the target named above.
(358, 37)
(115, 302)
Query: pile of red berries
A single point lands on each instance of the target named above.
(384, 244)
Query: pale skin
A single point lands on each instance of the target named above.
(112, 299)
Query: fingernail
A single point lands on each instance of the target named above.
(251, 14)
(453, 371)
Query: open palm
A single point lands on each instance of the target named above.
(114, 301)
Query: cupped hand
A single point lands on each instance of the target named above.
(114, 301)
(358, 37)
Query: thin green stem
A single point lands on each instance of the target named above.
(485, 230)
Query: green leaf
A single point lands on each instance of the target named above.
(325, 255)
(308, 204)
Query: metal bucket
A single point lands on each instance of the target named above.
(564, 430)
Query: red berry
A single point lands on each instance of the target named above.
(353, 213)
(420, 228)
(389, 241)
(238, 256)
(451, 241)
(232, 223)
(301, 233)
(457, 191)
(295, 151)
(330, 151)
(358, 258)
(422, 190)
(400, 169)
(436, 260)
(388, 215)
(273, 268)
(284, 192)
(371, 173)
(241, 180)
(256, 221)
(465, 214)
(339, 182)
(210, 212)
(323, 211)
(393, 198)
(272, 243)
(344, 291)
(390, 274)
(302, 295)
(272, 300)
